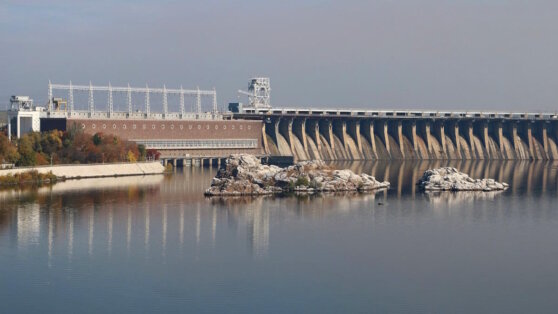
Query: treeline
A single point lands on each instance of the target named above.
(70, 147)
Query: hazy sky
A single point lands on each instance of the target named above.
(431, 54)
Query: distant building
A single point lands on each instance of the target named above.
(22, 116)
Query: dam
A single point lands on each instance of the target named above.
(187, 132)
(382, 135)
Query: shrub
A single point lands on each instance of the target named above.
(315, 185)
(32, 177)
(97, 139)
(131, 157)
(302, 181)
(50, 177)
(8, 180)
(291, 187)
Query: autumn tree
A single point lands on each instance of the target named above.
(8, 152)
(26, 152)
(72, 146)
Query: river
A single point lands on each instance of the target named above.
(156, 244)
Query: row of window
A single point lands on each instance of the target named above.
(200, 144)
(163, 126)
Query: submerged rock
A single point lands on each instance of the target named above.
(449, 179)
(244, 174)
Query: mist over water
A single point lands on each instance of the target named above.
(156, 243)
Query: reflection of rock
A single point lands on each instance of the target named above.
(449, 179)
(244, 175)
(451, 198)
(235, 200)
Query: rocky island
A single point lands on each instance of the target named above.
(244, 174)
(450, 179)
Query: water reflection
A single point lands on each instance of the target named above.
(171, 212)
(129, 230)
(450, 198)
(258, 230)
(523, 176)
(147, 224)
(164, 227)
(50, 238)
(28, 225)
(91, 231)
(109, 227)
(71, 234)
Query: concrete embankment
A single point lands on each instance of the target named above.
(94, 171)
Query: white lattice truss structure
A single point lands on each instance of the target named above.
(147, 93)
(259, 93)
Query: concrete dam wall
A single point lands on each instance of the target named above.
(356, 138)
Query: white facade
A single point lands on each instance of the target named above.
(27, 117)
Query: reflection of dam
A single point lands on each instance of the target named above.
(366, 135)
(117, 228)
(28, 225)
(258, 230)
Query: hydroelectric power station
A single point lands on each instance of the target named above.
(193, 133)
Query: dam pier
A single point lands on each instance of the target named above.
(373, 135)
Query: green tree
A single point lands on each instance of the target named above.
(51, 142)
(142, 152)
(97, 139)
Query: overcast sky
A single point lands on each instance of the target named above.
(431, 54)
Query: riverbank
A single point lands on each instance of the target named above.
(82, 171)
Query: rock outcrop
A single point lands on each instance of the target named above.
(244, 174)
(449, 179)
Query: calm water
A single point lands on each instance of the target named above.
(155, 244)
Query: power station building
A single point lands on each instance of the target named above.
(174, 134)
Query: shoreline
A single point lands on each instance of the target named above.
(87, 171)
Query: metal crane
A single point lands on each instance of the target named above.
(258, 93)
